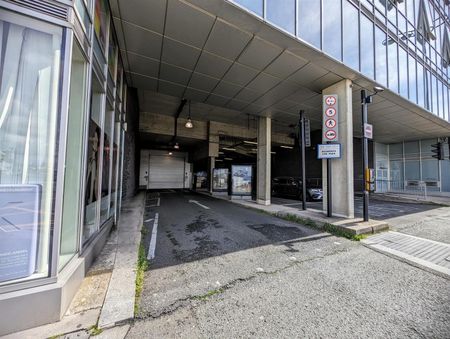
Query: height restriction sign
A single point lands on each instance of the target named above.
(330, 118)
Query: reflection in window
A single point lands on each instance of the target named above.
(106, 165)
(281, 13)
(393, 67)
(446, 107)
(351, 36)
(367, 56)
(29, 89)
(412, 78)
(332, 28)
(403, 72)
(93, 163)
(434, 95)
(380, 56)
(255, 6)
(420, 85)
(309, 21)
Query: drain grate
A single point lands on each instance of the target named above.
(431, 254)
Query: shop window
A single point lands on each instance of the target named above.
(255, 6)
(281, 13)
(101, 21)
(115, 165)
(29, 88)
(106, 165)
(309, 21)
(74, 156)
(93, 159)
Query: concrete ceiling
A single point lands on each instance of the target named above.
(232, 65)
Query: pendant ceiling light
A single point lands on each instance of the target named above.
(189, 123)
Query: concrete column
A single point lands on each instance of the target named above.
(342, 169)
(213, 152)
(211, 166)
(263, 176)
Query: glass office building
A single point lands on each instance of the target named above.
(403, 46)
(62, 116)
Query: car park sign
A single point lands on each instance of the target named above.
(330, 119)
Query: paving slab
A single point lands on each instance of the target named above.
(120, 297)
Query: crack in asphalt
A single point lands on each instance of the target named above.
(201, 298)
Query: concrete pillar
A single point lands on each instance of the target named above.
(263, 177)
(213, 153)
(211, 166)
(342, 169)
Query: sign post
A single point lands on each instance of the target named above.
(302, 148)
(330, 149)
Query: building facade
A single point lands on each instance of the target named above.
(62, 131)
(82, 80)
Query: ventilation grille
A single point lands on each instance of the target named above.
(46, 7)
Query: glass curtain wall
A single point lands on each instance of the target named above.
(412, 163)
(30, 63)
(385, 40)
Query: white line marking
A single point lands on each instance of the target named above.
(152, 246)
(197, 203)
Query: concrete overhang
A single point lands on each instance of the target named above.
(221, 56)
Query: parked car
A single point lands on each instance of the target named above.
(292, 187)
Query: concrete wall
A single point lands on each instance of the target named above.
(131, 147)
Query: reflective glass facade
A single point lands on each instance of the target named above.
(62, 93)
(400, 45)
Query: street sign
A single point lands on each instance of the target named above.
(307, 133)
(329, 151)
(330, 118)
(368, 131)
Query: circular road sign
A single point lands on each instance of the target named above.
(330, 112)
(330, 101)
(330, 123)
(330, 135)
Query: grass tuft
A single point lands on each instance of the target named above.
(208, 294)
(142, 266)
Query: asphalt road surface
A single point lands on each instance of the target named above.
(223, 271)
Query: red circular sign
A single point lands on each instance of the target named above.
(330, 135)
(330, 101)
(330, 112)
(330, 123)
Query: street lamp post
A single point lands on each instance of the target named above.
(365, 100)
(365, 151)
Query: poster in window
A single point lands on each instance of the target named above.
(220, 180)
(241, 180)
(19, 227)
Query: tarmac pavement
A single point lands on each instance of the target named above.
(223, 271)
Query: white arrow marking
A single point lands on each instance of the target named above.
(197, 203)
(152, 246)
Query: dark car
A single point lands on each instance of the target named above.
(292, 187)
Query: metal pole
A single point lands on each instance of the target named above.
(365, 150)
(329, 190)
(302, 148)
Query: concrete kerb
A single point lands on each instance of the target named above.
(347, 227)
(118, 306)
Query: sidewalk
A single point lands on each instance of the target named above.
(105, 301)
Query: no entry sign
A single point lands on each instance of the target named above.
(330, 118)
